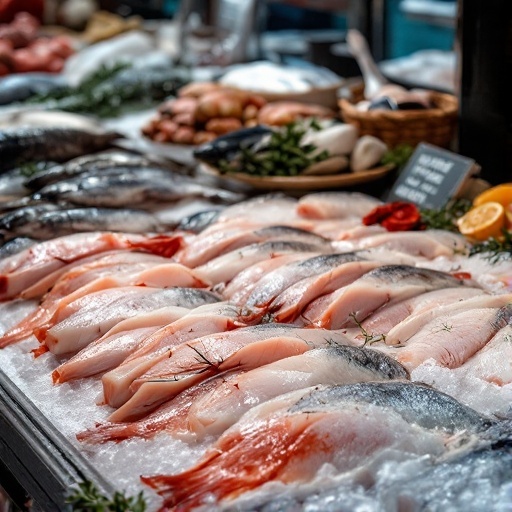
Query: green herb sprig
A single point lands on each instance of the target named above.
(494, 249)
(87, 498)
(446, 216)
(368, 338)
(398, 156)
(283, 155)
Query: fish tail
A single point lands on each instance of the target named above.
(102, 433)
(161, 245)
(239, 462)
(23, 329)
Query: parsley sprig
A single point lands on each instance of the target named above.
(283, 155)
(446, 216)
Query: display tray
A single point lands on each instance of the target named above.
(300, 182)
(38, 458)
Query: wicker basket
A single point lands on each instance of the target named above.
(435, 125)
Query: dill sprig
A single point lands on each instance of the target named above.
(494, 249)
(283, 154)
(368, 338)
(446, 216)
(88, 498)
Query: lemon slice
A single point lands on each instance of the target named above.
(499, 194)
(483, 221)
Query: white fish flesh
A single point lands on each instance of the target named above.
(193, 362)
(336, 205)
(452, 340)
(93, 315)
(383, 286)
(350, 425)
(224, 405)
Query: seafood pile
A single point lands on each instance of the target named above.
(53, 181)
(23, 51)
(292, 353)
(205, 110)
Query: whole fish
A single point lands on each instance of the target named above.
(19, 87)
(349, 425)
(29, 144)
(133, 187)
(86, 164)
(48, 221)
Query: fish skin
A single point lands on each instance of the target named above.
(211, 244)
(15, 246)
(198, 221)
(19, 87)
(350, 424)
(276, 282)
(383, 286)
(48, 221)
(115, 305)
(453, 339)
(27, 144)
(417, 403)
(195, 361)
(133, 186)
(218, 410)
(242, 285)
(225, 267)
(288, 305)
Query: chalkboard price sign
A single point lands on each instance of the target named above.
(432, 176)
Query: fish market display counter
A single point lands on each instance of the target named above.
(37, 464)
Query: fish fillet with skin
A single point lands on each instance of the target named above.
(24, 269)
(94, 314)
(200, 321)
(223, 406)
(383, 286)
(116, 344)
(450, 341)
(209, 245)
(289, 438)
(193, 362)
(336, 205)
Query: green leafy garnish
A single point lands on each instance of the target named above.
(87, 498)
(398, 156)
(283, 155)
(494, 249)
(446, 216)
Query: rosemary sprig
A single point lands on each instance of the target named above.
(87, 498)
(368, 338)
(283, 155)
(494, 249)
(446, 216)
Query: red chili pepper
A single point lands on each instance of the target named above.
(378, 214)
(461, 275)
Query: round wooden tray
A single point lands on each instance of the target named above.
(301, 182)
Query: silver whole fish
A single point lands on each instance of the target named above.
(86, 164)
(29, 144)
(134, 187)
(48, 221)
(15, 246)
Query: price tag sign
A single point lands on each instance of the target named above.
(432, 176)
